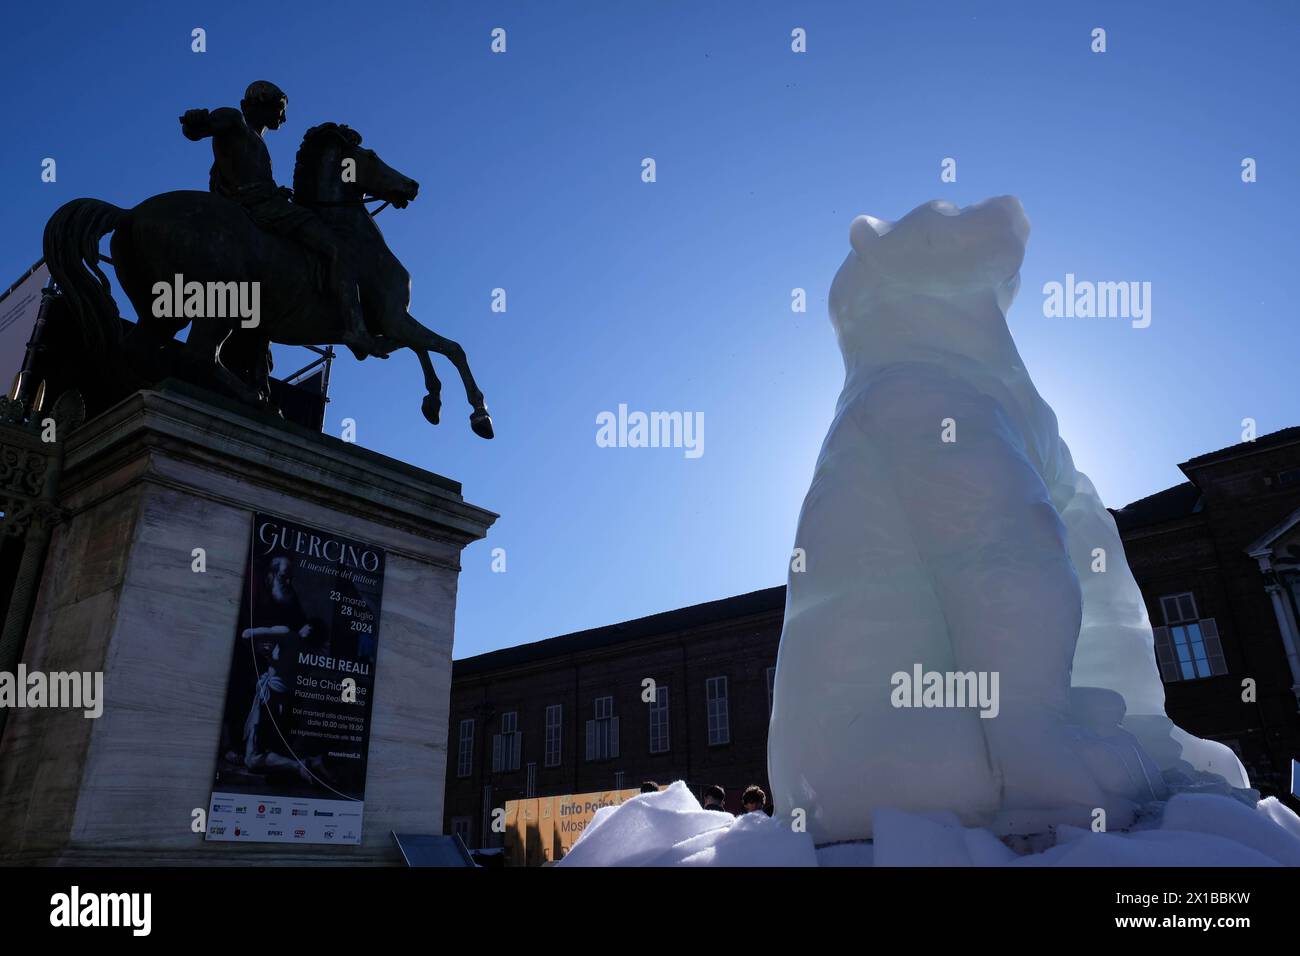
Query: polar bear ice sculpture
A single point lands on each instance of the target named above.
(968, 555)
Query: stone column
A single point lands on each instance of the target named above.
(144, 484)
(1286, 623)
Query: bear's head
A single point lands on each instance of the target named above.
(936, 251)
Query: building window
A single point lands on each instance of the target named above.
(507, 744)
(771, 690)
(1187, 646)
(618, 779)
(465, 749)
(530, 788)
(715, 692)
(602, 732)
(554, 714)
(490, 836)
(1178, 607)
(461, 827)
(659, 739)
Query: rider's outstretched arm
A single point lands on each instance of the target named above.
(197, 124)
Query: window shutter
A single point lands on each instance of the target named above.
(591, 740)
(516, 742)
(613, 737)
(1169, 608)
(1213, 646)
(496, 753)
(1165, 655)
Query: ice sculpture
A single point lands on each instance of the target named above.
(946, 531)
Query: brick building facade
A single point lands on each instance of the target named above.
(1217, 559)
(570, 714)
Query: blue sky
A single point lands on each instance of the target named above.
(676, 295)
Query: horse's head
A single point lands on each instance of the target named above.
(332, 165)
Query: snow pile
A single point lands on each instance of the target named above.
(937, 839)
(1193, 830)
(670, 828)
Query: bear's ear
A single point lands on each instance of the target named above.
(865, 231)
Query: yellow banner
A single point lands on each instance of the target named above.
(543, 829)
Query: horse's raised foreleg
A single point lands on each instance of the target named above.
(405, 329)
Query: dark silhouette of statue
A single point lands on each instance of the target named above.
(241, 171)
(246, 232)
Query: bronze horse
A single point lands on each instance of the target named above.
(208, 239)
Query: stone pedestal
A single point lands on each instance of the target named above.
(157, 476)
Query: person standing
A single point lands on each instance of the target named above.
(715, 799)
(754, 800)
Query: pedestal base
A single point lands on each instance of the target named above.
(146, 483)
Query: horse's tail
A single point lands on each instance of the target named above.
(71, 247)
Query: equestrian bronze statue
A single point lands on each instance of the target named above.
(323, 272)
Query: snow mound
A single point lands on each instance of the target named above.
(670, 828)
(935, 839)
(1271, 830)
(1145, 848)
(638, 831)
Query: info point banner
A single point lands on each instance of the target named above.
(19, 306)
(291, 764)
